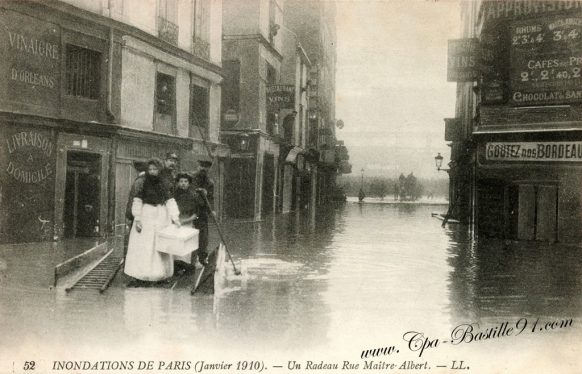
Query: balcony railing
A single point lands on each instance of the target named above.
(167, 31)
(200, 48)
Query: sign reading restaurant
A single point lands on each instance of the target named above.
(534, 151)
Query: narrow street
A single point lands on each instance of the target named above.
(358, 274)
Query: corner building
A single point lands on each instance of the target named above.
(528, 121)
(89, 87)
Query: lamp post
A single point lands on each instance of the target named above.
(438, 160)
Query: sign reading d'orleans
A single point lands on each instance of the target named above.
(534, 151)
(31, 62)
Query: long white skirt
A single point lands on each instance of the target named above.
(142, 260)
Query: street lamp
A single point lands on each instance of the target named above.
(438, 160)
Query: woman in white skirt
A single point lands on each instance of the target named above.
(153, 208)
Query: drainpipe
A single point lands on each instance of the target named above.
(109, 111)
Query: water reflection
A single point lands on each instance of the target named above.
(495, 278)
(352, 275)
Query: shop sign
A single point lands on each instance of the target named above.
(27, 176)
(281, 96)
(495, 9)
(463, 55)
(534, 151)
(546, 61)
(30, 67)
(452, 129)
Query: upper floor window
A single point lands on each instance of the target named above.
(199, 112)
(273, 27)
(230, 93)
(201, 29)
(165, 108)
(83, 67)
(167, 19)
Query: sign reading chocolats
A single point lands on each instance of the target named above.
(546, 61)
(30, 64)
(534, 151)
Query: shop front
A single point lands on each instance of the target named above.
(56, 148)
(529, 188)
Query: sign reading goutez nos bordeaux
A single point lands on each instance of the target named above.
(534, 151)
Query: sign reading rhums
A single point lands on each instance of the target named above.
(31, 63)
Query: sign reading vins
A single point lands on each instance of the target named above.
(281, 96)
(546, 61)
(462, 60)
(534, 151)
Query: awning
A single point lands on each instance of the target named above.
(292, 155)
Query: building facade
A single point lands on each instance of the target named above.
(527, 120)
(252, 56)
(90, 87)
(315, 27)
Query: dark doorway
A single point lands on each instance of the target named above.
(240, 188)
(536, 216)
(268, 184)
(82, 191)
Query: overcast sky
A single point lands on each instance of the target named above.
(392, 92)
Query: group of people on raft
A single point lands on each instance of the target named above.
(161, 196)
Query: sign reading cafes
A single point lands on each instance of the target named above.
(546, 61)
(534, 151)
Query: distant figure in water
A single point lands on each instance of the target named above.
(361, 195)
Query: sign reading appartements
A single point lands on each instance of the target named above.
(534, 151)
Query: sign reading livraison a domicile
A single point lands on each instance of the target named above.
(534, 151)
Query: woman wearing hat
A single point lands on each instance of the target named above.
(153, 208)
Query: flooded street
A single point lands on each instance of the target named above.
(357, 277)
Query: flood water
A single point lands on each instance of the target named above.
(356, 277)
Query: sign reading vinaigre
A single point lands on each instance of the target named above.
(534, 151)
(546, 61)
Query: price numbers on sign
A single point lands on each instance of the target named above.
(538, 38)
(546, 75)
(527, 39)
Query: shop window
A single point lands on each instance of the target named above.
(165, 108)
(82, 76)
(199, 112)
